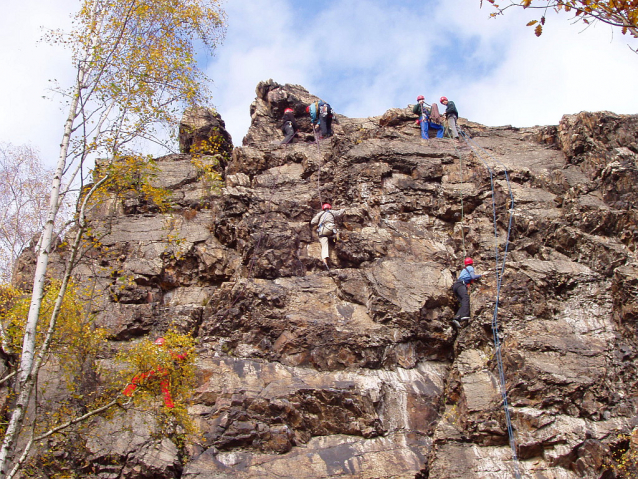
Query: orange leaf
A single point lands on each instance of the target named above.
(533, 22)
(538, 30)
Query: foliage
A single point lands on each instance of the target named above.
(131, 175)
(624, 460)
(139, 66)
(24, 196)
(153, 370)
(208, 169)
(622, 14)
(75, 342)
(207, 156)
(135, 72)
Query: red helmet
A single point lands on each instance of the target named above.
(468, 261)
(326, 206)
(420, 97)
(443, 98)
(308, 109)
(288, 110)
(159, 342)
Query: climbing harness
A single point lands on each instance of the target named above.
(500, 270)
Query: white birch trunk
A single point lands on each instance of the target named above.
(25, 372)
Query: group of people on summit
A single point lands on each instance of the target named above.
(430, 118)
(321, 115)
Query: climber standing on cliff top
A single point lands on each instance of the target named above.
(321, 113)
(460, 289)
(428, 118)
(326, 229)
(452, 115)
(288, 126)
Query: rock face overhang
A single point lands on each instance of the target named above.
(357, 372)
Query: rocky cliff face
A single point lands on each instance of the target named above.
(357, 372)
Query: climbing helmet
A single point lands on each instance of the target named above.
(326, 206)
(420, 97)
(468, 261)
(288, 110)
(442, 99)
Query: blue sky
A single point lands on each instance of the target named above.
(362, 56)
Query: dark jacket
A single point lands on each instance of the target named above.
(450, 109)
(288, 117)
(417, 110)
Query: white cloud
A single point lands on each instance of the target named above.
(27, 118)
(362, 56)
(559, 73)
(260, 44)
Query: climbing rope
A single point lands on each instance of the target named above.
(314, 132)
(499, 282)
(461, 194)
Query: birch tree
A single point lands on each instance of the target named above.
(135, 72)
(621, 14)
(24, 191)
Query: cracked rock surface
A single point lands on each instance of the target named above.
(356, 372)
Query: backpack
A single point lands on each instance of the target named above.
(324, 109)
(435, 116)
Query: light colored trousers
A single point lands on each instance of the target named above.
(324, 246)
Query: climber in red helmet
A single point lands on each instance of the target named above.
(428, 118)
(326, 229)
(452, 115)
(459, 288)
(288, 126)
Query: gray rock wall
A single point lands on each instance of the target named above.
(357, 372)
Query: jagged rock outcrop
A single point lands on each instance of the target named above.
(202, 134)
(357, 372)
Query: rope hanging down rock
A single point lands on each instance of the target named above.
(499, 280)
(314, 132)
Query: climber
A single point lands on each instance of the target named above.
(288, 126)
(452, 115)
(321, 113)
(428, 118)
(326, 229)
(466, 277)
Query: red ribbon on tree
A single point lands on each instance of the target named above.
(140, 378)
